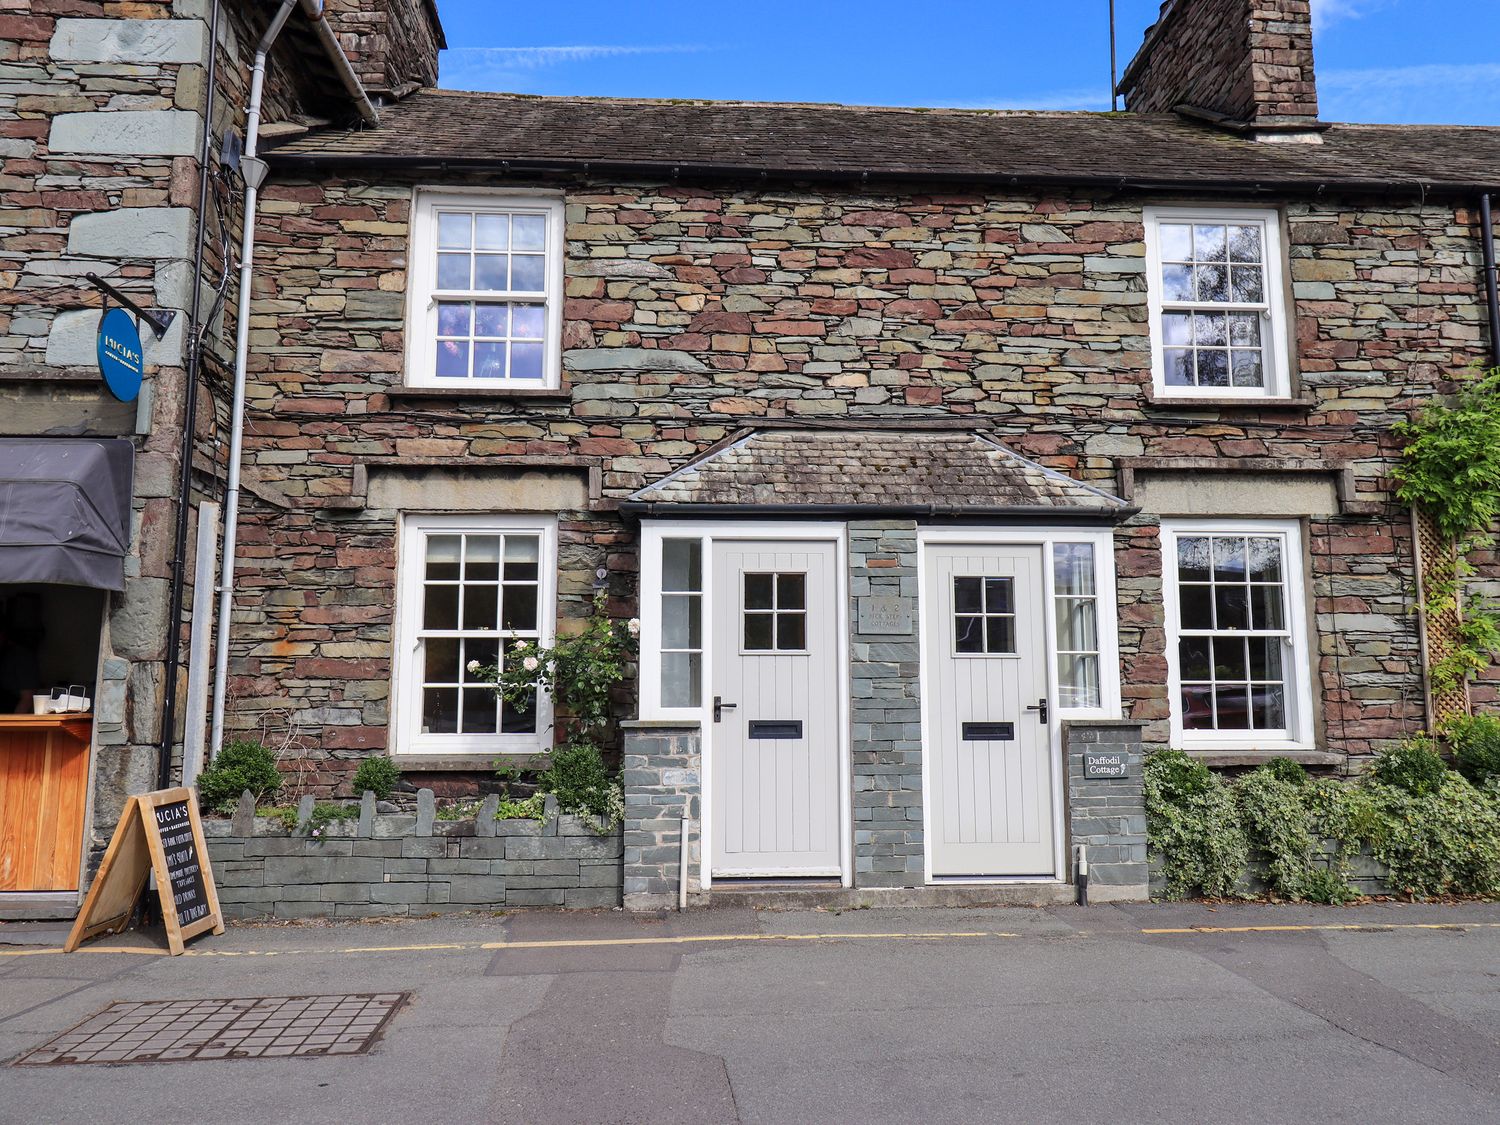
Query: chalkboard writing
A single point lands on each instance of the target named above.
(184, 869)
(159, 833)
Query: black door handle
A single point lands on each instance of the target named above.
(1041, 709)
(720, 707)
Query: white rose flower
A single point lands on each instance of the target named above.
(634, 625)
(520, 645)
(531, 664)
(474, 666)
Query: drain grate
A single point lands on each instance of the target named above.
(241, 1028)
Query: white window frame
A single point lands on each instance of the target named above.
(421, 304)
(406, 685)
(1275, 313)
(1298, 734)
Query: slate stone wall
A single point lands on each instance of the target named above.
(692, 312)
(1107, 816)
(886, 703)
(663, 765)
(391, 864)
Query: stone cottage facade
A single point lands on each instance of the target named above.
(949, 459)
(111, 118)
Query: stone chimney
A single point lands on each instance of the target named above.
(1245, 64)
(392, 44)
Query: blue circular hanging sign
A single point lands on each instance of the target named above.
(121, 358)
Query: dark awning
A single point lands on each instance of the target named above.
(65, 510)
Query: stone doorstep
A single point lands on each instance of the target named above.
(771, 897)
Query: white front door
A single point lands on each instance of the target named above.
(775, 693)
(989, 773)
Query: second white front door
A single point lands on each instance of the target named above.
(775, 739)
(989, 770)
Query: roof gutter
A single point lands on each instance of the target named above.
(313, 10)
(702, 171)
(1018, 513)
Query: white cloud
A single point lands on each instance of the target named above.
(511, 68)
(1432, 93)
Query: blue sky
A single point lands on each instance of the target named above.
(1378, 60)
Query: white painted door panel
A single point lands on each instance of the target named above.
(775, 803)
(990, 789)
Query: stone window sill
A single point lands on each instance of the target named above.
(1221, 759)
(467, 763)
(1167, 402)
(541, 394)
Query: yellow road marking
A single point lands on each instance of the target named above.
(1343, 926)
(577, 943)
(705, 939)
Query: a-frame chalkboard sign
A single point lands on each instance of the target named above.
(158, 832)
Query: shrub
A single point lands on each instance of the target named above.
(240, 765)
(378, 776)
(1445, 841)
(1293, 773)
(1475, 740)
(1412, 766)
(580, 781)
(1193, 822)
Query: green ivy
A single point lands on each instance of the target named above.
(1451, 463)
(1436, 833)
(1451, 468)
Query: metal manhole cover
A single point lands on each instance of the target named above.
(241, 1028)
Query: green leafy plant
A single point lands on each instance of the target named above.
(579, 673)
(241, 765)
(1451, 468)
(1413, 766)
(326, 813)
(376, 775)
(533, 807)
(286, 815)
(1475, 742)
(459, 810)
(1451, 463)
(1435, 832)
(581, 783)
(1193, 822)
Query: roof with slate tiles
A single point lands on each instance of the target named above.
(947, 470)
(697, 138)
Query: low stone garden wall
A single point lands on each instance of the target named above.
(385, 864)
(1367, 875)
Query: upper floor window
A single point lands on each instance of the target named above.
(1217, 309)
(486, 291)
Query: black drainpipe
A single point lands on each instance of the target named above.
(1491, 281)
(189, 428)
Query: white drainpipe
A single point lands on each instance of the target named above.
(253, 170)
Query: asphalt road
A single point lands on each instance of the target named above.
(1384, 1013)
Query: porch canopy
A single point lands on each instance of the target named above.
(898, 473)
(65, 510)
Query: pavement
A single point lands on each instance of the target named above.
(1385, 1012)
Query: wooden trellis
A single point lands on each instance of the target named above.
(1437, 555)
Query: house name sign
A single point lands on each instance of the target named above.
(1105, 763)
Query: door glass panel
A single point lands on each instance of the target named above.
(758, 632)
(775, 612)
(984, 619)
(681, 644)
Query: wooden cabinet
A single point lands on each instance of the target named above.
(44, 777)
